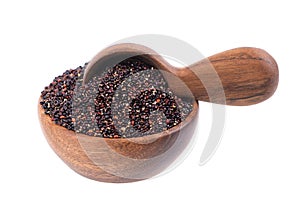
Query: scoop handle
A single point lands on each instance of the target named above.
(248, 76)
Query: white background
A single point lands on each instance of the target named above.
(257, 164)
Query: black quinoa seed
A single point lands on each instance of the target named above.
(130, 99)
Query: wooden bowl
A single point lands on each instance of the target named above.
(118, 160)
(245, 76)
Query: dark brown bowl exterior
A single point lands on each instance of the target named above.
(118, 160)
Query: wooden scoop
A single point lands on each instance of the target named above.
(248, 76)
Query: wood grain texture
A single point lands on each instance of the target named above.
(247, 75)
(118, 160)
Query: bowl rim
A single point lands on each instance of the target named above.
(138, 140)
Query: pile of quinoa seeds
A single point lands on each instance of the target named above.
(130, 99)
